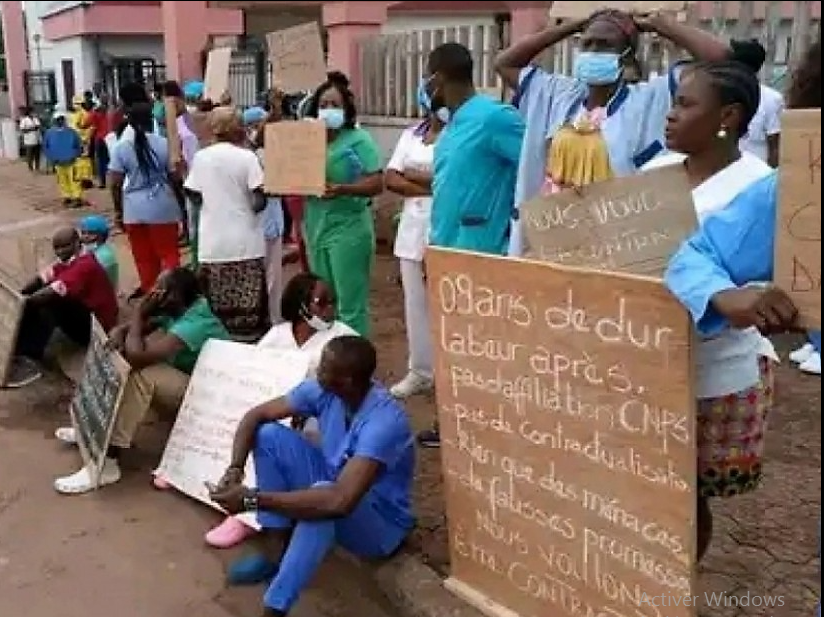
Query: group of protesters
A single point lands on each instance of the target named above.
(463, 172)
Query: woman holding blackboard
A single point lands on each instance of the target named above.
(719, 275)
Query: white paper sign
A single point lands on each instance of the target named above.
(229, 379)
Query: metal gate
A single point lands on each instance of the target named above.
(41, 90)
(144, 71)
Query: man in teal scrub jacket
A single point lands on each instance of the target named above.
(476, 165)
(476, 158)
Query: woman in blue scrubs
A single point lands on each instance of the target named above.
(593, 126)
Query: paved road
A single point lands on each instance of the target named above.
(129, 550)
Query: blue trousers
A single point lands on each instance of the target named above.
(285, 461)
(815, 339)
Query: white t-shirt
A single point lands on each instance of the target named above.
(765, 123)
(726, 363)
(30, 137)
(226, 176)
(280, 338)
(413, 230)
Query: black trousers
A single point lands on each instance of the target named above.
(41, 319)
(33, 156)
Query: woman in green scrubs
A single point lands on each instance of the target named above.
(339, 227)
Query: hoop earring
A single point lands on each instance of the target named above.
(722, 133)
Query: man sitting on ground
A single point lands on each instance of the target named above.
(63, 297)
(161, 343)
(353, 490)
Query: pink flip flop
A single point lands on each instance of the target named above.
(161, 484)
(229, 533)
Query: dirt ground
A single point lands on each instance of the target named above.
(765, 543)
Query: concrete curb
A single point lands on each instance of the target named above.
(414, 588)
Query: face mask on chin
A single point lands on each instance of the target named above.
(598, 68)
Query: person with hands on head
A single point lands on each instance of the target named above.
(721, 275)
(63, 297)
(593, 126)
(161, 342)
(340, 231)
(354, 490)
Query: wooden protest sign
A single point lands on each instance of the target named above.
(295, 158)
(798, 228)
(229, 379)
(567, 435)
(631, 225)
(582, 10)
(11, 312)
(297, 58)
(172, 136)
(216, 82)
(97, 398)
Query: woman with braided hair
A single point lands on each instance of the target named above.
(592, 126)
(720, 275)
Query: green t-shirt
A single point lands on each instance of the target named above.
(107, 258)
(196, 326)
(352, 155)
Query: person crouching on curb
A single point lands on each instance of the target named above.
(62, 147)
(354, 490)
(161, 342)
(94, 233)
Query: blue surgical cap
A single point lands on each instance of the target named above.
(193, 89)
(94, 224)
(254, 115)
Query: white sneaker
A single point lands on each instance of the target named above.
(414, 383)
(812, 365)
(67, 435)
(800, 356)
(81, 482)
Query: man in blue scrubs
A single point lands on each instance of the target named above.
(476, 165)
(476, 158)
(353, 490)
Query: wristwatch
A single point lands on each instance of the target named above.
(251, 501)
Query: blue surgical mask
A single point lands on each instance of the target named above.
(333, 117)
(598, 68)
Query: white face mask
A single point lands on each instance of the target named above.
(318, 324)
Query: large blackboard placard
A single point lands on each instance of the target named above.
(97, 398)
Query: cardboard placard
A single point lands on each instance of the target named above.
(567, 434)
(97, 398)
(582, 10)
(631, 225)
(295, 158)
(12, 303)
(798, 228)
(229, 379)
(36, 254)
(172, 136)
(296, 54)
(216, 82)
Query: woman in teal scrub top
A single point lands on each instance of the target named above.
(338, 227)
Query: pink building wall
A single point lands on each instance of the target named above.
(14, 44)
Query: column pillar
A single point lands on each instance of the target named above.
(185, 37)
(17, 59)
(346, 23)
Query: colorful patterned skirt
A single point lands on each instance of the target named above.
(730, 433)
(238, 296)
